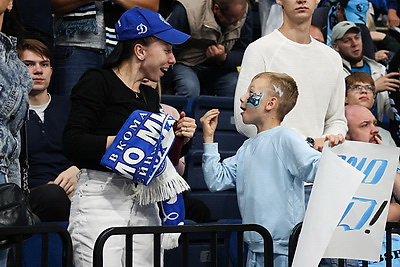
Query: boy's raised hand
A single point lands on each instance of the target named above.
(209, 121)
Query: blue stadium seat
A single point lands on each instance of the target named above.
(231, 242)
(199, 252)
(181, 103)
(193, 171)
(199, 248)
(226, 135)
(32, 255)
(222, 205)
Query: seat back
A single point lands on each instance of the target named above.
(226, 135)
(222, 205)
(50, 245)
(181, 103)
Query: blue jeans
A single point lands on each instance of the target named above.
(255, 259)
(70, 63)
(326, 262)
(307, 193)
(2, 178)
(3, 257)
(200, 79)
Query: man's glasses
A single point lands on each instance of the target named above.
(359, 87)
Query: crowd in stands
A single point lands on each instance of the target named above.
(72, 72)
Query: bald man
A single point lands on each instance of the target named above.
(362, 127)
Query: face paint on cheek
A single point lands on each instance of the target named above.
(255, 100)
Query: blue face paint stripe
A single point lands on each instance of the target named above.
(255, 100)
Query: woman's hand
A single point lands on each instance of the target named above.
(185, 127)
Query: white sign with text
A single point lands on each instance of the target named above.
(348, 206)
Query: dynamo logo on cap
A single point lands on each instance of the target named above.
(141, 28)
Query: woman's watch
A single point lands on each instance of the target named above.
(310, 141)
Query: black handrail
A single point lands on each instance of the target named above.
(185, 230)
(19, 232)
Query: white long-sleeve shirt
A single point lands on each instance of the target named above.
(318, 72)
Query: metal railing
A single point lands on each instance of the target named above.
(19, 233)
(186, 230)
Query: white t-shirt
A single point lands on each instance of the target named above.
(40, 109)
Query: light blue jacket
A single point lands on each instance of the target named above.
(15, 84)
(268, 172)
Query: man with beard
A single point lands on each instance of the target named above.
(363, 128)
(347, 41)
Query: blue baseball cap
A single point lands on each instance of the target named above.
(356, 11)
(138, 23)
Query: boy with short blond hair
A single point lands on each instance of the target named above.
(269, 169)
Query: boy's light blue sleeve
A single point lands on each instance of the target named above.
(218, 176)
(300, 159)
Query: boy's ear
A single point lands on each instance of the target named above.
(271, 103)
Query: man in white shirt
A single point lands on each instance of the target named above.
(316, 68)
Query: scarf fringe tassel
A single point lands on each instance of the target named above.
(162, 188)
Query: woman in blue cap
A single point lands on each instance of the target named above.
(102, 101)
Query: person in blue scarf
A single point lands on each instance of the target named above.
(101, 103)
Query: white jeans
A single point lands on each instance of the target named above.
(103, 200)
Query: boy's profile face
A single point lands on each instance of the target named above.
(253, 101)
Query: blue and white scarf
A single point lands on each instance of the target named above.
(140, 152)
